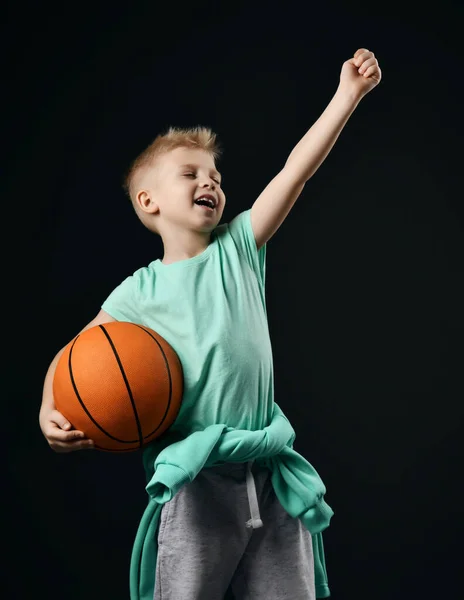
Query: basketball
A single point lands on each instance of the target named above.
(120, 383)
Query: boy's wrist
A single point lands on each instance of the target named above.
(349, 97)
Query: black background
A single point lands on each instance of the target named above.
(364, 283)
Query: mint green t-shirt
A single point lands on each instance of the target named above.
(211, 309)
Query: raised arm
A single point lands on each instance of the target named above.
(359, 75)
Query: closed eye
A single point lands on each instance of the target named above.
(193, 175)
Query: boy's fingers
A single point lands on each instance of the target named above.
(81, 445)
(60, 420)
(64, 447)
(71, 436)
(57, 434)
(62, 437)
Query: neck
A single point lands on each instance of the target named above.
(181, 245)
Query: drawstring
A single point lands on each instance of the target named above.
(255, 521)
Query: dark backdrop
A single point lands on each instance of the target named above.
(365, 278)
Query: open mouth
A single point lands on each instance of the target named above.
(206, 202)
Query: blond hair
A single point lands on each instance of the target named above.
(200, 138)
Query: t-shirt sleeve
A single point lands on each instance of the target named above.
(123, 303)
(242, 233)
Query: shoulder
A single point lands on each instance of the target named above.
(144, 277)
(139, 279)
(236, 226)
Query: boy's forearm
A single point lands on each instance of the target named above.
(310, 152)
(48, 401)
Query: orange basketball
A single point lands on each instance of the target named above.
(120, 383)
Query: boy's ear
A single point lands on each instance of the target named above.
(146, 202)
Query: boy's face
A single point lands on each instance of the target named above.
(175, 185)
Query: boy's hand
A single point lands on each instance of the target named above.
(60, 435)
(360, 74)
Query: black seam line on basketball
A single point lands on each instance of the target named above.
(128, 387)
(84, 406)
(169, 377)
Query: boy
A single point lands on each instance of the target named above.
(232, 505)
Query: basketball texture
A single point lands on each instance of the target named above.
(120, 383)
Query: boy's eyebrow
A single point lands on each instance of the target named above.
(192, 166)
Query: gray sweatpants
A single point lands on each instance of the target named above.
(226, 532)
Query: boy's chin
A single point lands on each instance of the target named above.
(208, 223)
(206, 229)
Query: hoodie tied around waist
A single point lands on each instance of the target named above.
(296, 483)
